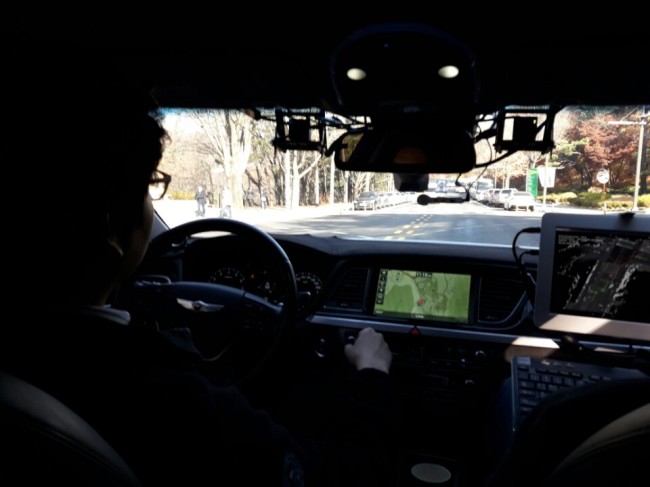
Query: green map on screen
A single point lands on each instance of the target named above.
(423, 295)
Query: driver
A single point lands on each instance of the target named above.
(92, 143)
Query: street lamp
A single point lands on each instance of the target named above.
(637, 179)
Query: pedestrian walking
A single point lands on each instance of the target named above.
(226, 203)
(263, 198)
(249, 198)
(200, 196)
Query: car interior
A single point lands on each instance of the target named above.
(559, 310)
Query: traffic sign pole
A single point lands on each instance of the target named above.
(603, 178)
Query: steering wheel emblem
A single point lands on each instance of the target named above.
(199, 306)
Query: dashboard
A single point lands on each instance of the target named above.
(450, 312)
(413, 284)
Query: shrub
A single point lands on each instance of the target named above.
(558, 198)
(588, 200)
(595, 200)
(618, 205)
(180, 195)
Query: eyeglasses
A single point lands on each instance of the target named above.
(158, 184)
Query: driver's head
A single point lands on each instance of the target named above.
(91, 140)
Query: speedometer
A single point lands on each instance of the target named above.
(228, 276)
(309, 282)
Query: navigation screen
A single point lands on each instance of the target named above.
(602, 275)
(421, 295)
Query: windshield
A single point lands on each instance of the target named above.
(223, 164)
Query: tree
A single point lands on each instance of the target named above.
(289, 168)
(302, 162)
(229, 138)
(361, 181)
(592, 143)
(187, 158)
(265, 168)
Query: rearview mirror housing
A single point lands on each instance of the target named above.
(411, 182)
(415, 150)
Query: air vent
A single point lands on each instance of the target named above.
(499, 298)
(350, 292)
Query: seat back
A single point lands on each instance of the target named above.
(583, 436)
(616, 455)
(45, 443)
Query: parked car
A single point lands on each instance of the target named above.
(479, 191)
(520, 200)
(385, 199)
(313, 104)
(501, 195)
(489, 197)
(368, 200)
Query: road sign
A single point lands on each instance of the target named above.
(546, 176)
(603, 176)
(531, 181)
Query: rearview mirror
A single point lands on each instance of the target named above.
(411, 182)
(419, 150)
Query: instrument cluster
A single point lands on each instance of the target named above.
(255, 273)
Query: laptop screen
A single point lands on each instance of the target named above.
(594, 275)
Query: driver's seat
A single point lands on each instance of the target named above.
(46, 443)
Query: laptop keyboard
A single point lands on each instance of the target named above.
(534, 379)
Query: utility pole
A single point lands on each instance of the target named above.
(332, 174)
(548, 155)
(637, 178)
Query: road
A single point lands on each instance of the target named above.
(467, 222)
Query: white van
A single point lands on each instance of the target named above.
(501, 195)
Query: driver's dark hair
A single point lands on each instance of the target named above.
(84, 141)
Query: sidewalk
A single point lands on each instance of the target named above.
(283, 214)
(176, 212)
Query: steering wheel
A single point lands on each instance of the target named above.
(229, 325)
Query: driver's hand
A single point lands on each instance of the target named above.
(369, 351)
